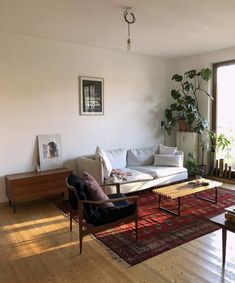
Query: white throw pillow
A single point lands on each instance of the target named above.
(141, 156)
(103, 158)
(167, 149)
(168, 160)
(117, 158)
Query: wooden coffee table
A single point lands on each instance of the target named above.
(179, 190)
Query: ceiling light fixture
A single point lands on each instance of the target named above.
(130, 19)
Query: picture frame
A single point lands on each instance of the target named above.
(91, 95)
(50, 152)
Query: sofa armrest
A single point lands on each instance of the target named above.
(180, 152)
(92, 166)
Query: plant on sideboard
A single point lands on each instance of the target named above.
(185, 108)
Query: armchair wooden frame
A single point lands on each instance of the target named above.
(87, 228)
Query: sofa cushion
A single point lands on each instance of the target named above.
(103, 216)
(167, 149)
(103, 158)
(117, 158)
(141, 156)
(95, 191)
(168, 160)
(159, 171)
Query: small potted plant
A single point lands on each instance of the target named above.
(185, 108)
(204, 146)
(192, 166)
(219, 145)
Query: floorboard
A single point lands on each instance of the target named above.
(36, 246)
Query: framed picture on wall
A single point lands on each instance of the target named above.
(50, 152)
(91, 96)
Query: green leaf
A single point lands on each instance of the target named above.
(191, 74)
(177, 78)
(174, 107)
(187, 86)
(168, 114)
(180, 107)
(189, 100)
(222, 141)
(202, 125)
(206, 74)
(175, 94)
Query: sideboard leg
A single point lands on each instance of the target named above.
(14, 207)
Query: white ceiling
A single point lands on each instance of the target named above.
(168, 28)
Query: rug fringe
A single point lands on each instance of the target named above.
(113, 254)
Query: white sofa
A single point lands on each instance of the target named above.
(148, 167)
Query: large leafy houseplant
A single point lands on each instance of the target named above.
(185, 106)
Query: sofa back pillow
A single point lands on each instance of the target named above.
(167, 149)
(168, 160)
(117, 158)
(141, 156)
(102, 157)
(95, 191)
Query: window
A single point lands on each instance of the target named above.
(223, 110)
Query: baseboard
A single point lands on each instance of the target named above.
(223, 180)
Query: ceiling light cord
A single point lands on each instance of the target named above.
(130, 19)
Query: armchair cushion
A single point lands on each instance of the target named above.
(108, 215)
(119, 203)
(95, 191)
(82, 192)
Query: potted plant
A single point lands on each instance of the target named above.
(192, 166)
(204, 147)
(220, 145)
(185, 108)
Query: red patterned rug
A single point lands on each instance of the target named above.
(160, 231)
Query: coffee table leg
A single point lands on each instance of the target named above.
(167, 210)
(207, 199)
(224, 239)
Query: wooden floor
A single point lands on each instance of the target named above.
(36, 246)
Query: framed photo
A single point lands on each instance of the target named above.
(50, 152)
(91, 96)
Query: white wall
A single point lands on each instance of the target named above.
(39, 95)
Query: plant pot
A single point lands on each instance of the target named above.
(183, 127)
(202, 170)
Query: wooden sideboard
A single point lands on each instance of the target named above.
(29, 185)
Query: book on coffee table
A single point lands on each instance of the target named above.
(230, 209)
